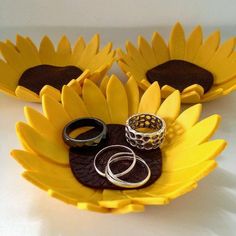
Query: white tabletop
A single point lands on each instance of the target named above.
(27, 210)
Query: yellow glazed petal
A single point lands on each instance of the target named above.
(147, 52)
(193, 156)
(73, 104)
(45, 147)
(132, 92)
(117, 101)
(151, 94)
(53, 110)
(51, 91)
(28, 53)
(177, 42)
(170, 108)
(95, 101)
(193, 44)
(47, 51)
(160, 48)
(26, 94)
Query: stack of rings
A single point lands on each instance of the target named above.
(140, 140)
(121, 156)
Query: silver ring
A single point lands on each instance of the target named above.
(122, 153)
(142, 140)
(84, 122)
(121, 183)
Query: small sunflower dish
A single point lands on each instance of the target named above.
(187, 153)
(28, 72)
(201, 70)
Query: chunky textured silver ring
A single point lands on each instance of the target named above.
(145, 140)
(111, 147)
(84, 122)
(121, 183)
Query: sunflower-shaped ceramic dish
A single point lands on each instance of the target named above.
(28, 72)
(200, 70)
(187, 153)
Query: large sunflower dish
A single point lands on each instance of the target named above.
(201, 70)
(188, 154)
(28, 72)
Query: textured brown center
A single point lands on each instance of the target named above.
(37, 77)
(180, 74)
(81, 161)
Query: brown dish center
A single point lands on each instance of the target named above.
(180, 74)
(81, 161)
(37, 77)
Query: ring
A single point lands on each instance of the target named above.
(145, 140)
(84, 122)
(121, 183)
(121, 153)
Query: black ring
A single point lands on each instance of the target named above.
(84, 122)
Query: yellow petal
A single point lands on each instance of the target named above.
(40, 123)
(95, 101)
(227, 87)
(140, 197)
(150, 100)
(177, 42)
(207, 50)
(67, 186)
(198, 134)
(147, 52)
(9, 77)
(92, 203)
(190, 97)
(136, 56)
(73, 104)
(33, 162)
(144, 84)
(28, 53)
(193, 44)
(189, 117)
(117, 101)
(193, 156)
(215, 64)
(55, 113)
(103, 85)
(47, 52)
(13, 58)
(195, 87)
(213, 94)
(26, 94)
(33, 46)
(41, 145)
(129, 209)
(170, 108)
(6, 90)
(166, 91)
(74, 84)
(78, 49)
(132, 92)
(89, 52)
(63, 54)
(137, 74)
(169, 191)
(130, 62)
(100, 58)
(194, 173)
(113, 199)
(51, 91)
(160, 48)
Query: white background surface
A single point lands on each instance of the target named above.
(26, 210)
